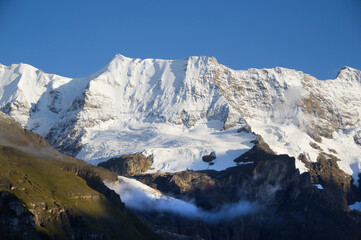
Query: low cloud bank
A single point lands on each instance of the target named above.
(138, 196)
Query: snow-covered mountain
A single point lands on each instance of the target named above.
(181, 110)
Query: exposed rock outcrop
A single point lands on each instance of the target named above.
(128, 165)
(93, 117)
(209, 158)
(338, 189)
(291, 206)
(16, 221)
(357, 138)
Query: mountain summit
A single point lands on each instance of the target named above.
(181, 110)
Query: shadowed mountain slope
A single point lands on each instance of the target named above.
(47, 195)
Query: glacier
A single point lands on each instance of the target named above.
(181, 110)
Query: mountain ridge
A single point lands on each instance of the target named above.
(195, 94)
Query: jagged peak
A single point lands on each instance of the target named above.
(347, 69)
(119, 56)
(25, 67)
(21, 68)
(200, 60)
(197, 57)
(277, 69)
(349, 74)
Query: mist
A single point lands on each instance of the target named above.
(138, 196)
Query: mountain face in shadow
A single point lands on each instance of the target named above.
(264, 197)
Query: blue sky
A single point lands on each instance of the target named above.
(77, 37)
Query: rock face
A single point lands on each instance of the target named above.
(290, 204)
(153, 106)
(114, 111)
(258, 180)
(128, 165)
(182, 110)
(16, 222)
(357, 138)
(209, 158)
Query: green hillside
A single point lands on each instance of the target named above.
(61, 197)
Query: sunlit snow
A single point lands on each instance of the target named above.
(174, 147)
(176, 110)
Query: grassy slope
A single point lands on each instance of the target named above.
(54, 188)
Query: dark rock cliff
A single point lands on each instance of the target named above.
(290, 205)
(16, 221)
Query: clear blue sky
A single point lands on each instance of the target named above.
(77, 37)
